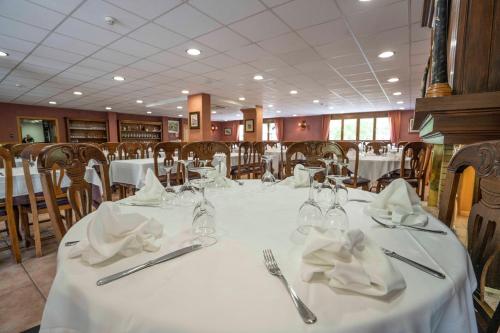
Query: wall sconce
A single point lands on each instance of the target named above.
(214, 127)
(302, 124)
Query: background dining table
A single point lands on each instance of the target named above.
(226, 287)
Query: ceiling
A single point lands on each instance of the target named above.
(327, 50)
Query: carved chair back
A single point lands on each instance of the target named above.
(130, 151)
(170, 149)
(311, 151)
(245, 158)
(348, 146)
(110, 149)
(419, 160)
(259, 149)
(205, 150)
(17, 149)
(378, 147)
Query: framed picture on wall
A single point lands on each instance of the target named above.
(228, 131)
(249, 123)
(410, 126)
(194, 120)
(173, 126)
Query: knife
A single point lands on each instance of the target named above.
(410, 262)
(137, 204)
(147, 264)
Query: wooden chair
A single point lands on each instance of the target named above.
(7, 213)
(311, 151)
(354, 181)
(245, 160)
(130, 151)
(110, 149)
(281, 164)
(37, 204)
(205, 150)
(17, 149)
(401, 144)
(378, 147)
(483, 229)
(259, 149)
(73, 159)
(416, 174)
(169, 149)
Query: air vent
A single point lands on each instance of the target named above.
(218, 107)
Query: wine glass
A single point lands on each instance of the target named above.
(170, 192)
(186, 194)
(310, 215)
(325, 189)
(201, 185)
(204, 211)
(267, 178)
(336, 217)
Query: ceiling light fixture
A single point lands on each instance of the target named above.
(241, 98)
(78, 93)
(139, 101)
(149, 112)
(185, 92)
(258, 77)
(294, 115)
(179, 107)
(386, 54)
(270, 106)
(193, 52)
(278, 111)
(399, 102)
(109, 108)
(365, 0)
(330, 108)
(118, 78)
(401, 108)
(214, 112)
(397, 93)
(53, 102)
(180, 115)
(316, 101)
(3, 54)
(293, 92)
(393, 79)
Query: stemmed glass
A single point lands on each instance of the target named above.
(170, 192)
(267, 178)
(186, 194)
(336, 216)
(310, 215)
(325, 189)
(204, 211)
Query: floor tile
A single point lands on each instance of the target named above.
(21, 309)
(12, 277)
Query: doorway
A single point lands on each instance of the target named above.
(39, 130)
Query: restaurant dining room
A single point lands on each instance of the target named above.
(244, 166)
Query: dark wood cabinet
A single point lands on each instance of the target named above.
(86, 130)
(140, 131)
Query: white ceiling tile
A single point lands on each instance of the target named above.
(115, 57)
(64, 7)
(419, 33)
(222, 39)
(355, 69)
(283, 44)
(99, 64)
(176, 73)
(56, 54)
(169, 59)
(347, 60)
(187, 21)
(181, 49)
(349, 7)
(196, 68)
(220, 61)
(242, 69)
(325, 33)
(124, 20)
(45, 62)
(148, 66)
(22, 31)
(132, 47)
(14, 58)
(228, 11)
(62, 42)
(347, 46)
(261, 26)
(146, 8)
(268, 63)
(379, 19)
(300, 56)
(30, 13)
(86, 32)
(157, 36)
(303, 13)
(15, 44)
(273, 3)
(247, 53)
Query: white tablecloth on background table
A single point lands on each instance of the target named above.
(19, 182)
(226, 287)
(373, 166)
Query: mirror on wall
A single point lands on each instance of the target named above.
(31, 130)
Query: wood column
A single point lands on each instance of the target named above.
(112, 127)
(254, 114)
(200, 104)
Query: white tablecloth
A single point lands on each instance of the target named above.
(19, 182)
(373, 166)
(226, 288)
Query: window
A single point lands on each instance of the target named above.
(335, 129)
(269, 132)
(383, 129)
(350, 126)
(366, 129)
(240, 132)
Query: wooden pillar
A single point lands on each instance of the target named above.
(112, 127)
(199, 113)
(254, 114)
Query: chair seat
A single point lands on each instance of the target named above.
(360, 181)
(3, 211)
(60, 202)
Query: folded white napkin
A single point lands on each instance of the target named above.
(151, 192)
(111, 232)
(351, 262)
(300, 177)
(396, 202)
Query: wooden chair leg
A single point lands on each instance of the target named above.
(14, 241)
(38, 236)
(68, 215)
(25, 225)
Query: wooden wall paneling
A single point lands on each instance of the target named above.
(494, 77)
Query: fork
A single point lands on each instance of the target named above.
(393, 226)
(272, 266)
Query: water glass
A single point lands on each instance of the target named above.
(310, 214)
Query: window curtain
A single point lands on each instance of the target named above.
(325, 128)
(395, 120)
(279, 128)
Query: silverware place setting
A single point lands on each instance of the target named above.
(394, 226)
(413, 263)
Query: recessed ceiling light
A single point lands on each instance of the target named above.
(149, 112)
(365, 0)
(3, 54)
(79, 93)
(293, 92)
(118, 78)
(180, 115)
(185, 92)
(179, 107)
(53, 102)
(393, 79)
(401, 108)
(270, 105)
(258, 77)
(214, 112)
(397, 93)
(193, 52)
(241, 98)
(386, 54)
(278, 111)
(295, 115)
(139, 101)
(330, 108)
(109, 108)
(316, 101)
(399, 102)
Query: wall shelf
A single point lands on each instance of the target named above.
(86, 130)
(140, 131)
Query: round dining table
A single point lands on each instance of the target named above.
(373, 166)
(226, 287)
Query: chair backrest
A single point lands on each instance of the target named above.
(169, 149)
(419, 160)
(130, 151)
(401, 144)
(378, 147)
(347, 146)
(245, 155)
(312, 152)
(16, 150)
(7, 203)
(110, 149)
(205, 150)
(483, 228)
(73, 159)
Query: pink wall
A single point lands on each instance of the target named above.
(405, 120)
(292, 132)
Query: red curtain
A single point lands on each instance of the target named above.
(279, 128)
(325, 128)
(395, 119)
